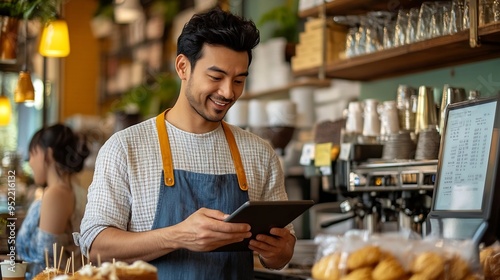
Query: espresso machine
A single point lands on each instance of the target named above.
(381, 195)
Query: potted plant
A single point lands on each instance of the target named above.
(147, 100)
(284, 23)
(12, 11)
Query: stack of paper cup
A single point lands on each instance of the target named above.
(389, 118)
(257, 113)
(371, 124)
(238, 114)
(282, 113)
(354, 121)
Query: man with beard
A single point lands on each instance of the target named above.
(162, 188)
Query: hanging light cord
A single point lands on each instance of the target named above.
(25, 66)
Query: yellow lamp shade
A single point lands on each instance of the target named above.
(24, 92)
(5, 110)
(55, 39)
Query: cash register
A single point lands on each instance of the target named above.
(466, 200)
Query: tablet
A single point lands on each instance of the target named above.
(264, 215)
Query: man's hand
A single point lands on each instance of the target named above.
(205, 230)
(275, 250)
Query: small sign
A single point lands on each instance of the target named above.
(345, 150)
(322, 154)
(307, 154)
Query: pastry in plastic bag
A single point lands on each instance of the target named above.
(364, 257)
(327, 268)
(428, 264)
(364, 273)
(491, 266)
(389, 269)
(458, 268)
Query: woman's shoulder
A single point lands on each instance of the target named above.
(59, 196)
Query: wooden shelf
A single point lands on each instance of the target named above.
(284, 89)
(421, 56)
(348, 7)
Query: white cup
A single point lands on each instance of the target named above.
(354, 121)
(257, 114)
(13, 271)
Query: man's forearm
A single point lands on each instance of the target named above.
(125, 246)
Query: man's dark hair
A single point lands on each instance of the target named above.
(217, 27)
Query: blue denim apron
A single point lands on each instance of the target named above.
(181, 194)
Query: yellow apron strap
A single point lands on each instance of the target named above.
(166, 154)
(235, 153)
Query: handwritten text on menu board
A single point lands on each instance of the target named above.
(465, 157)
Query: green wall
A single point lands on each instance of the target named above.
(483, 76)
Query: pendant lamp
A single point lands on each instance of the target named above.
(25, 92)
(55, 39)
(127, 11)
(5, 107)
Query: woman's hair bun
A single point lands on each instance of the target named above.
(69, 149)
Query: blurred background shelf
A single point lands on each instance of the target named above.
(284, 89)
(417, 57)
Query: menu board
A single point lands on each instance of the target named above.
(464, 162)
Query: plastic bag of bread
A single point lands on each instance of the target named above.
(394, 256)
(489, 258)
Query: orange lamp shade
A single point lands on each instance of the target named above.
(55, 39)
(5, 110)
(24, 92)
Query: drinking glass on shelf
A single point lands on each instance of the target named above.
(466, 19)
(375, 30)
(400, 29)
(350, 43)
(424, 21)
(361, 36)
(352, 22)
(440, 19)
(489, 11)
(388, 40)
(444, 8)
(411, 29)
(496, 10)
(457, 15)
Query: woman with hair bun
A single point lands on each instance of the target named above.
(56, 155)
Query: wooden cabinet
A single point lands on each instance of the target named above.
(421, 56)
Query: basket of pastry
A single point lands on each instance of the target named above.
(105, 271)
(358, 255)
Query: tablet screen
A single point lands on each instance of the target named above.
(264, 215)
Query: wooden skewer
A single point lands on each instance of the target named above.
(72, 263)
(66, 270)
(88, 257)
(83, 260)
(54, 252)
(60, 257)
(99, 260)
(46, 258)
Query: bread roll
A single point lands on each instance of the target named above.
(388, 269)
(458, 268)
(364, 273)
(428, 264)
(367, 256)
(327, 268)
